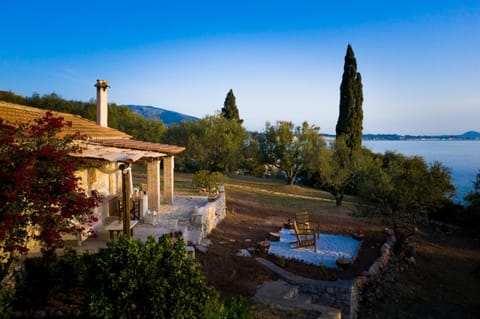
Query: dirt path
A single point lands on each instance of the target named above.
(255, 189)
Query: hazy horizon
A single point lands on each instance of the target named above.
(284, 61)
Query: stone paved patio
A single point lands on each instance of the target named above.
(171, 218)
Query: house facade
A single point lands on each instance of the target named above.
(112, 152)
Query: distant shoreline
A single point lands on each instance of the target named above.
(468, 136)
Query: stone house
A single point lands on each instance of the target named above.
(109, 149)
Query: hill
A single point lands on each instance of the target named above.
(471, 135)
(166, 116)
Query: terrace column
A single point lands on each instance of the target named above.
(113, 178)
(168, 178)
(153, 185)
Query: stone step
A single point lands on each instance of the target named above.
(282, 290)
(302, 298)
(286, 297)
(277, 290)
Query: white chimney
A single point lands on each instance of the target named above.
(102, 103)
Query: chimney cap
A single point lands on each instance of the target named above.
(102, 84)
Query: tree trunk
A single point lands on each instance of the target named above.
(290, 180)
(339, 199)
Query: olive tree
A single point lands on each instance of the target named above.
(289, 149)
(339, 168)
(403, 190)
(212, 143)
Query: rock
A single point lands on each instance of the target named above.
(343, 263)
(243, 253)
(202, 249)
(362, 280)
(385, 249)
(358, 235)
(391, 240)
(263, 246)
(206, 242)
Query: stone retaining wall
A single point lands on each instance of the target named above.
(204, 219)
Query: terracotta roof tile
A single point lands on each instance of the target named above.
(102, 135)
(26, 114)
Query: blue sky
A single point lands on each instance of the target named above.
(419, 60)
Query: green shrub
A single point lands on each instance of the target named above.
(128, 279)
(131, 279)
(207, 180)
(238, 308)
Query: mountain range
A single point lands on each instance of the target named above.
(166, 116)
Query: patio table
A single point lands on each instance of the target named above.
(117, 226)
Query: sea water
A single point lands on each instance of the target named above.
(462, 157)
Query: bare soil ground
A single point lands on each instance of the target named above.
(444, 282)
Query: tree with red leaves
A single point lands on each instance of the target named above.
(39, 192)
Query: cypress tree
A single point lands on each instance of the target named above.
(230, 109)
(350, 119)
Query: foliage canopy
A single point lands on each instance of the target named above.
(230, 109)
(350, 118)
(212, 143)
(339, 168)
(290, 149)
(404, 190)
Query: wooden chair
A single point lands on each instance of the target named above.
(306, 235)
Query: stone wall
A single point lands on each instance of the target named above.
(338, 294)
(341, 294)
(378, 273)
(204, 219)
